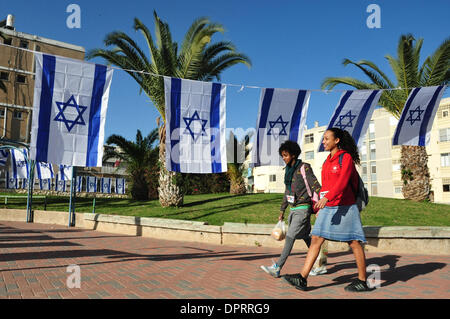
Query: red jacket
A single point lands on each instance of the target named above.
(336, 180)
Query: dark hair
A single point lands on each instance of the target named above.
(346, 143)
(291, 147)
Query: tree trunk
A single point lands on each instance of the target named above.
(415, 173)
(169, 193)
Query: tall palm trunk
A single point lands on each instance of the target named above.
(415, 173)
(169, 193)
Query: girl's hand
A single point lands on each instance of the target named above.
(321, 203)
(281, 217)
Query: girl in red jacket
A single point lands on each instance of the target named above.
(338, 218)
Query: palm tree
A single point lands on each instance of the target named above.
(139, 157)
(435, 70)
(196, 59)
(236, 166)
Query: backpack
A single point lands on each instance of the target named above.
(314, 196)
(361, 193)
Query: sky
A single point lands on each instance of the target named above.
(291, 44)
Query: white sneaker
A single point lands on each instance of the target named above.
(318, 271)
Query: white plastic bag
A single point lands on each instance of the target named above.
(279, 231)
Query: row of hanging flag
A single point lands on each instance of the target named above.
(60, 185)
(71, 98)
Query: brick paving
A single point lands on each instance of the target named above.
(34, 260)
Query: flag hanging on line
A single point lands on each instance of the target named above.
(3, 157)
(78, 183)
(44, 170)
(106, 185)
(65, 172)
(25, 183)
(45, 184)
(11, 182)
(416, 120)
(120, 185)
(91, 184)
(19, 163)
(69, 111)
(281, 117)
(195, 126)
(60, 184)
(353, 113)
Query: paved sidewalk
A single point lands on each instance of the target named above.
(34, 260)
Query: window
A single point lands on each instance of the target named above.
(444, 135)
(364, 152)
(374, 189)
(371, 130)
(272, 178)
(446, 188)
(398, 190)
(445, 159)
(23, 44)
(373, 153)
(309, 155)
(309, 138)
(2, 113)
(445, 113)
(373, 171)
(364, 172)
(17, 115)
(8, 41)
(21, 79)
(4, 76)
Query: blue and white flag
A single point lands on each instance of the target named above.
(65, 172)
(19, 163)
(353, 113)
(195, 126)
(25, 183)
(60, 185)
(281, 117)
(69, 111)
(120, 185)
(106, 185)
(3, 157)
(45, 184)
(78, 183)
(11, 182)
(414, 126)
(91, 184)
(44, 170)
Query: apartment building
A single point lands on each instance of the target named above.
(380, 161)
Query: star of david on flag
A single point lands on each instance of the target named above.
(45, 184)
(120, 185)
(69, 111)
(106, 185)
(60, 184)
(195, 126)
(353, 113)
(19, 163)
(416, 120)
(281, 117)
(11, 182)
(91, 184)
(44, 170)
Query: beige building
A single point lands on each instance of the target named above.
(380, 161)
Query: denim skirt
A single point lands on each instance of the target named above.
(339, 223)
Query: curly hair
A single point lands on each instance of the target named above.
(291, 147)
(346, 143)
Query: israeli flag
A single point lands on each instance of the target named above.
(45, 184)
(106, 185)
(91, 184)
(353, 113)
(65, 172)
(69, 111)
(3, 157)
(281, 117)
(120, 185)
(195, 126)
(78, 183)
(19, 163)
(25, 183)
(60, 184)
(11, 182)
(44, 170)
(414, 126)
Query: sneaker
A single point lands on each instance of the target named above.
(273, 270)
(318, 271)
(297, 281)
(357, 285)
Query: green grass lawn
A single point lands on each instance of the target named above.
(251, 208)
